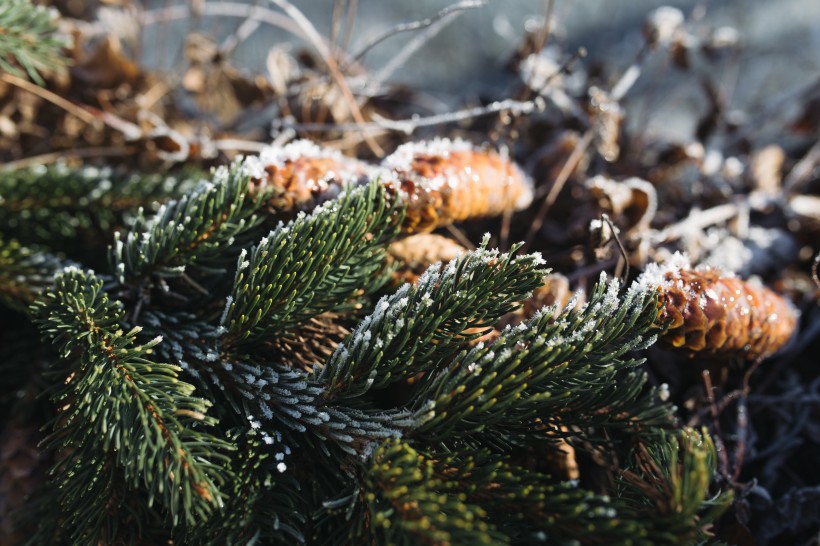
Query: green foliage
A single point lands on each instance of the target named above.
(24, 273)
(408, 504)
(193, 231)
(421, 325)
(528, 377)
(669, 482)
(124, 421)
(179, 416)
(315, 264)
(77, 209)
(27, 35)
(251, 502)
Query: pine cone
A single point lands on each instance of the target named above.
(711, 311)
(418, 252)
(302, 174)
(444, 181)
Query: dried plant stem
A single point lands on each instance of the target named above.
(413, 45)
(415, 25)
(53, 98)
(53, 157)
(803, 169)
(572, 162)
(408, 126)
(695, 223)
(460, 237)
(322, 48)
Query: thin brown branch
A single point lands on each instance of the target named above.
(570, 165)
(415, 25)
(408, 126)
(324, 51)
(53, 98)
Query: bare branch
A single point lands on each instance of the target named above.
(415, 25)
(408, 126)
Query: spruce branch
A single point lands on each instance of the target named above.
(261, 503)
(317, 263)
(669, 482)
(569, 367)
(24, 272)
(129, 416)
(408, 504)
(422, 324)
(74, 208)
(280, 400)
(531, 507)
(28, 35)
(198, 230)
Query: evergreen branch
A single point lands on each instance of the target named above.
(261, 504)
(129, 416)
(531, 508)
(669, 484)
(67, 207)
(568, 368)
(286, 399)
(196, 230)
(24, 273)
(27, 35)
(316, 263)
(275, 399)
(425, 323)
(408, 504)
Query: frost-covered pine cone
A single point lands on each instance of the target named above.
(712, 311)
(443, 181)
(302, 174)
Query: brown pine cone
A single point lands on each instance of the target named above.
(711, 311)
(445, 181)
(302, 174)
(418, 252)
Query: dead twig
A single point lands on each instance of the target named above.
(572, 162)
(53, 98)
(621, 249)
(53, 157)
(460, 237)
(413, 45)
(324, 51)
(695, 223)
(414, 25)
(802, 170)
(408, 126)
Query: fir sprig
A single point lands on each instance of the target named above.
(316, 263)
(198, 230)
(27, 35)
(124, 421)
(669, 478)
(25, 272)
(262, 504)
(408, 504)
(77, 209)
(561, 364)
(418, 326)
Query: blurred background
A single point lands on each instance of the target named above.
(467, 58)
